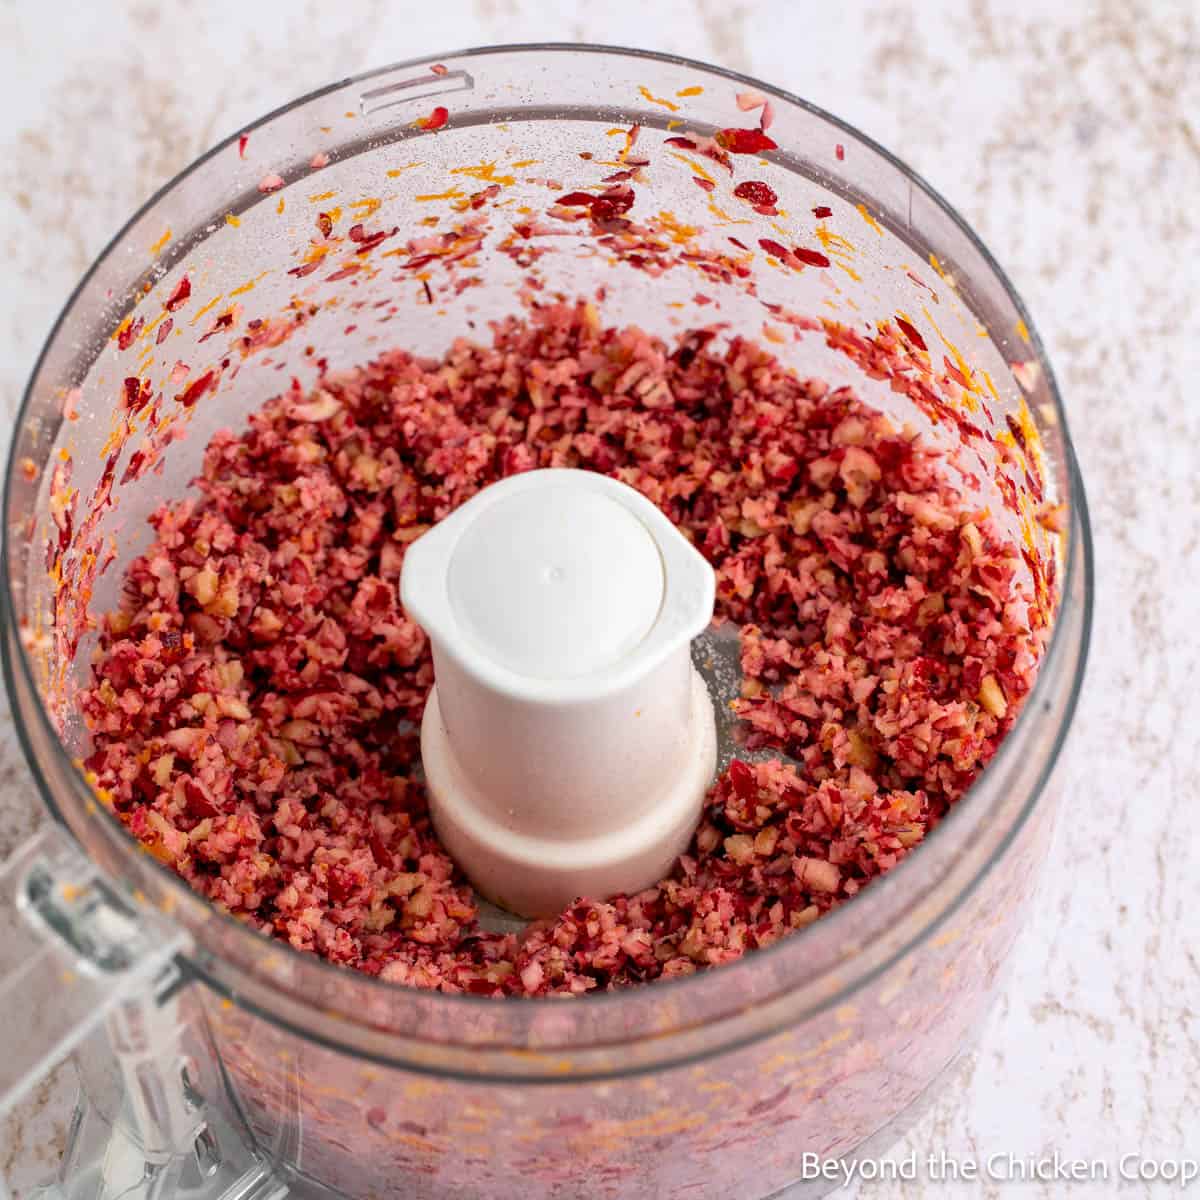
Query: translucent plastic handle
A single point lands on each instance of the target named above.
(71, 952)
(75, 960)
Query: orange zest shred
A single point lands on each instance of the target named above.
(207, 308)
(675, 229)
(366, 207)
(991, 387)
(721, 214)
(870, 220)
(249, 285)
(648, 95)
(695, 167)
(450, 194)
(960, 362)
(485, 173)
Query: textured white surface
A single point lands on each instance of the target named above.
(1068, 134)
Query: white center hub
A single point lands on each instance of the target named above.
(568, 742)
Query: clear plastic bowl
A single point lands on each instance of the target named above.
(717, 1085)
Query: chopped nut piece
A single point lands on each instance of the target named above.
(860, 472)
(930, 609)
(817, 875)
(861, 752)
(321, 409)
(226, 602)
(203, 586)
(806, 916)
(765, 842)
(739, 847)
(991, 696)
(160, 769)
(231, 706)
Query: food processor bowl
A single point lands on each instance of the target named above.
(218, 1062)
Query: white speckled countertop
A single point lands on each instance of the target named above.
(1068, 134)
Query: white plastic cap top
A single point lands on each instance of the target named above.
(557, 585)
(568, 742)
(555, 582)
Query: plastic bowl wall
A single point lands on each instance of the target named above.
(717, 1085)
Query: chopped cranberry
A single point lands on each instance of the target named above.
(129, 333)
(435, 120)
(773, 247)
(756, 192)
(911, 333)
(196, 389)
(379, 851)
(741, 776)
(198, 805)
(814, 258)
(179, 297)
(745, 141)
(341, 885)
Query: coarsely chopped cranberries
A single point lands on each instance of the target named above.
(756, 192)
(256, 701)
(759, 195)
(814, 258)
(129, 332)
(911, 333)
(196, 389)
(745, 141)
(435, 120)
(180, 296)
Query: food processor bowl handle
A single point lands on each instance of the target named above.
(79, 963)
(72, 953)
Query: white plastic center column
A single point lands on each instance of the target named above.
(568, 742)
